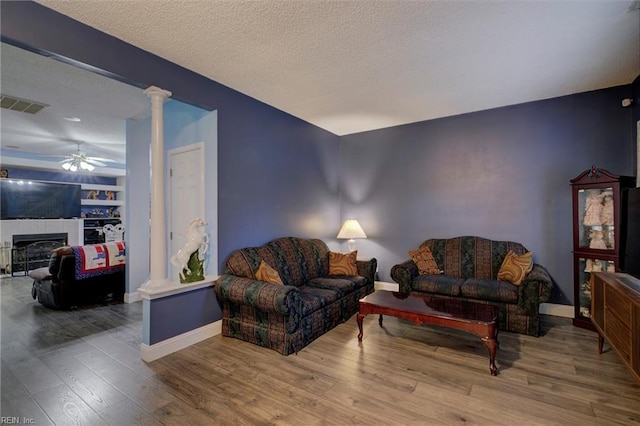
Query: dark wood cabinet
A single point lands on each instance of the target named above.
(616, 316)
(596, 195)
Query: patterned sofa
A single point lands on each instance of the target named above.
(470, 268)
(288, 317)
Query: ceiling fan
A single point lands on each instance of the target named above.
(78, 161)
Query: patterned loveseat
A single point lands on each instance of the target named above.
(470, 268)
(309, 303)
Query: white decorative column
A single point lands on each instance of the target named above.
(158, 277)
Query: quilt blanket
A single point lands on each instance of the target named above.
(99, 259)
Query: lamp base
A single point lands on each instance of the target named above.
(351, 245)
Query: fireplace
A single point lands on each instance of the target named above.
(32, 251)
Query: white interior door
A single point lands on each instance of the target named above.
(186, 175)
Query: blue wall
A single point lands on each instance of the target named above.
(174, 315)
(501, 174)
(278, 176)
(137, 194)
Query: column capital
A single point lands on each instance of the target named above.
(154, 92)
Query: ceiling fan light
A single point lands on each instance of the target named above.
(66, 166)
(73, 167)
(86, 166)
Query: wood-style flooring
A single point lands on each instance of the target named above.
(84, 367)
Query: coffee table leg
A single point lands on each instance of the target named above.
(380, 320)
(359, 318)
(600, 343)
(492, 345)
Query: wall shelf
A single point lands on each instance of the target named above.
(102, 202)
(114, 188)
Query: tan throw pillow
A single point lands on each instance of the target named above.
(423, 258)
(343, 264)
(267, 274)
(514, 268)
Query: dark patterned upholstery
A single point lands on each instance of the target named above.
(288, 317)
(471, 266)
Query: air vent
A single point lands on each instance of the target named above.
(22, 105)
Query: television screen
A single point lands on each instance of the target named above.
(23, 199)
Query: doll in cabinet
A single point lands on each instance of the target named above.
(596, 197)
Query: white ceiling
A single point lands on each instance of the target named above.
(352, 66)
(102, 104)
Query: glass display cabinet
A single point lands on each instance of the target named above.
(596, 233)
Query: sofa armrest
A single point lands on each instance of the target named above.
(275, 298)
(367, 269)
(404, 274)
(535, 289)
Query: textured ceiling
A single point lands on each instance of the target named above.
(346, 66)
(351, 66)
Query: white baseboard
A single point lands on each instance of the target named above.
(381, 285)
(132, 297)
(565, 311)
(174, 344)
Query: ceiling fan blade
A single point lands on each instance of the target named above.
(108, 160)
(91, 160)
(66, 160)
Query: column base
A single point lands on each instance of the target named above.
(157, 284)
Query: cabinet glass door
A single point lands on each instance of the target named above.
(585, 268)
(596, 221)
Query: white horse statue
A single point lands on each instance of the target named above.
(196, 240)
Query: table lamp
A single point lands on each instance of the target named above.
(351, 230)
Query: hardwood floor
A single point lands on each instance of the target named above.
(84, 367)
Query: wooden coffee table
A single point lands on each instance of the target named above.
(476, 318)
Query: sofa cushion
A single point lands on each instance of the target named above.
(295, 259)
(471, 257)
(314, 298)
(424, 260)
(343, 264)
(267, 274)
(438, 284)
(340, 284)
(490, 290)
(514, 268)
(298, 260)
(243, 263)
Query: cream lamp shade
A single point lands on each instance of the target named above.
(351, 230)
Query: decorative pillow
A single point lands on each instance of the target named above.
(423, 258)
(40, 274)
(267, 274)
(343, 264)
(514, 268)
